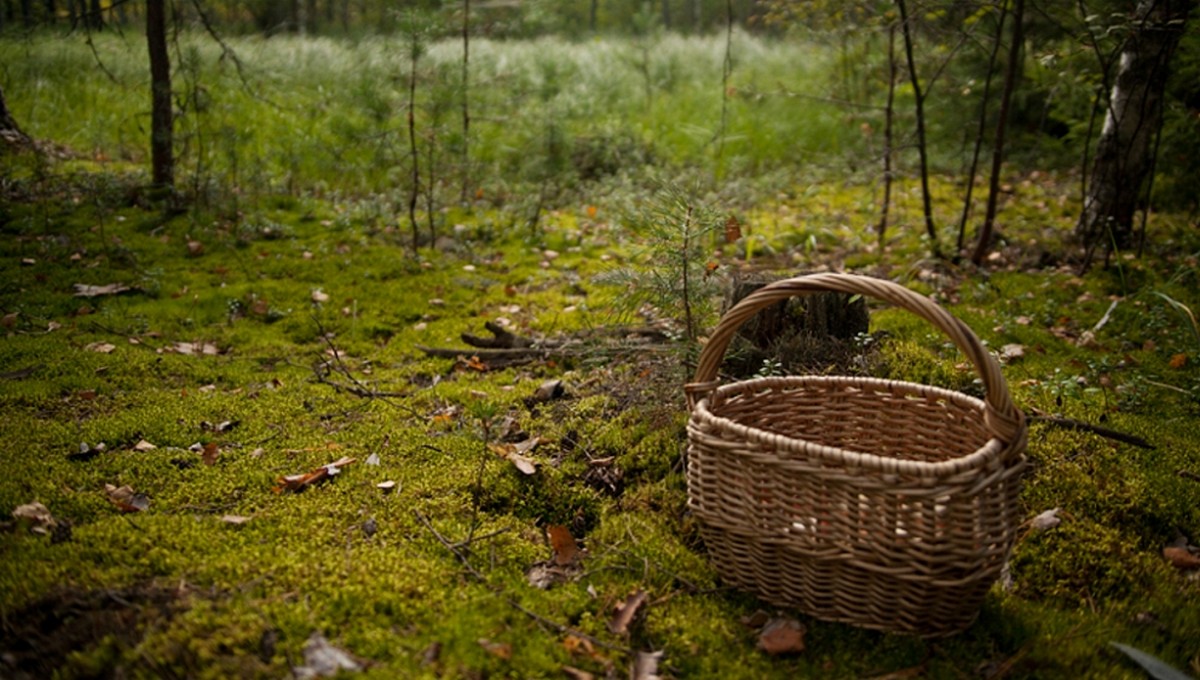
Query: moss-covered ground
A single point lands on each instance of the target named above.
(181, 589)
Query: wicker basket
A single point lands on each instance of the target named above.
(883, 504)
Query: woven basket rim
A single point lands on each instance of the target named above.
(984, 456)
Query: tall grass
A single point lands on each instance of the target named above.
(325, 115)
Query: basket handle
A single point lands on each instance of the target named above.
(1003, 419)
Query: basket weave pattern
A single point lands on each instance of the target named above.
(883, 504)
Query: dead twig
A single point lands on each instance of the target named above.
(356, 386)
(1080, 426)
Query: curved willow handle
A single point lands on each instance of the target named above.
(1002, 417)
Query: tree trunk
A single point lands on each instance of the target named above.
(1010, 79)
(162, 160)
(10, 132)
(1123, 153)
(922, 149)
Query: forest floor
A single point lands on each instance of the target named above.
(246, 467)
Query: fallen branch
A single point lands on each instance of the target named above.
(560, 627)
(1080, 426)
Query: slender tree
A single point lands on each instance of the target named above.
(162, 160)
(416, 47)
(983, 111)
(919, 102)
(1123, 155)
(466, 110)
(889, 115)
(1010, 78)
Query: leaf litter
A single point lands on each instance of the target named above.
(300, 482)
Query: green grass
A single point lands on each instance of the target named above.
(327, 116)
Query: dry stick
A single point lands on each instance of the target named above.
(889, 112)
(357, 388)
(498, 590)
(466, 114)
(1010, 78)
(983, 107)
(414, 55)
(919, 99)
(726, 71)
(1080, 426)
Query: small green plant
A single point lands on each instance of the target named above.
(673, 274)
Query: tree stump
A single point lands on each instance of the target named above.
(815, 333)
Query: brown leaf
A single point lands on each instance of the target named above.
(210, 453)
(1181, 558)
(619, 624)
(386, 487)
(195, 248)
(566, 550)
(236, 520)
(502, 650)
(756, 620)
(144, 446)
(549, 391)
(86, 290)
(782, 636)
(733, 229)
(576, 645)
(101, 347)
(126, 499)
(303, 481)
(319, 296)
(1178, 361)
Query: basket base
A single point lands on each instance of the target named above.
(836, 590)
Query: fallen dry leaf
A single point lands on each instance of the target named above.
(1178, 361)
(195, 248)
(577, 674)
(144, 446)
(733, 229)
(387, 486)
(756, 620)
(645, 666)
(101, 347)
(619, 624)
(86, 290)
(236, 520)
(319, 296)
(1181, 558)
(576, 645)
(304, 480)
(566, 550)
(323, 660)
(195, 348)
(545, 575)
(1046, 520)
(549, 391)
(1011, 352)
(502, 650)
(782, 636)
(37, 516)
(126, 499)
(210, 453)
(527, 466)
